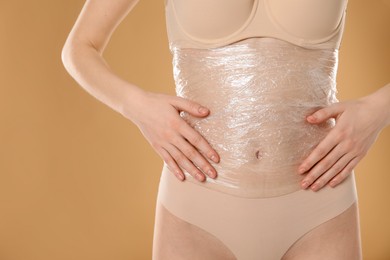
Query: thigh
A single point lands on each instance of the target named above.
(336, 239)
(176, 239)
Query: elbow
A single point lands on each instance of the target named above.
(73, 52)
(66, 55)
(70, 53)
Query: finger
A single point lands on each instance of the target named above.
(197, 140)
(320, 151)
(171, 163)
(323, 165)
(194, 156)
(184, 163)
(325, 113)
(332, 172)
(189, 106)
(345, 172)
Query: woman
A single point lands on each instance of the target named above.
(254, 125)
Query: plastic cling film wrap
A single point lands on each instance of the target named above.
(259, 92)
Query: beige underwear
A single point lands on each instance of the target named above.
(254, 229)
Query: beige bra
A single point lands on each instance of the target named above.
(314, 24)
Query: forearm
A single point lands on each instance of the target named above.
(381, 98)
(87, 66)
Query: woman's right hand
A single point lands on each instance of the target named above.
(157, 115)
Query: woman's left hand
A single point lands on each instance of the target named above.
(358, 124)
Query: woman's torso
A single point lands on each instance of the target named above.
(259, 90)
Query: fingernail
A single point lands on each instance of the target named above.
(199, 176)
(178, 174)
(203, 110)
(214, 158)
(211, 174)
(301, 170)
(305, 184)
(314, 187)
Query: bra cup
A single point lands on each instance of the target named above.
(307, 19)
(212, 19)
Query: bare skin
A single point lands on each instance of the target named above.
(181, 147)
(337, 238)
(178, 239)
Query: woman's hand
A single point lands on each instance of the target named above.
(358, 124)
(158, 117)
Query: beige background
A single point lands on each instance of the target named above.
(79, 181)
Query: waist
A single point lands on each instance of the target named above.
(259, 96)
(260, 150)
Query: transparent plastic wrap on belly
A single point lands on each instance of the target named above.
(259, 92)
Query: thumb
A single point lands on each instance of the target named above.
(323, 114)
(190, 106)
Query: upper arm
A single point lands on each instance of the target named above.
(97, 21)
